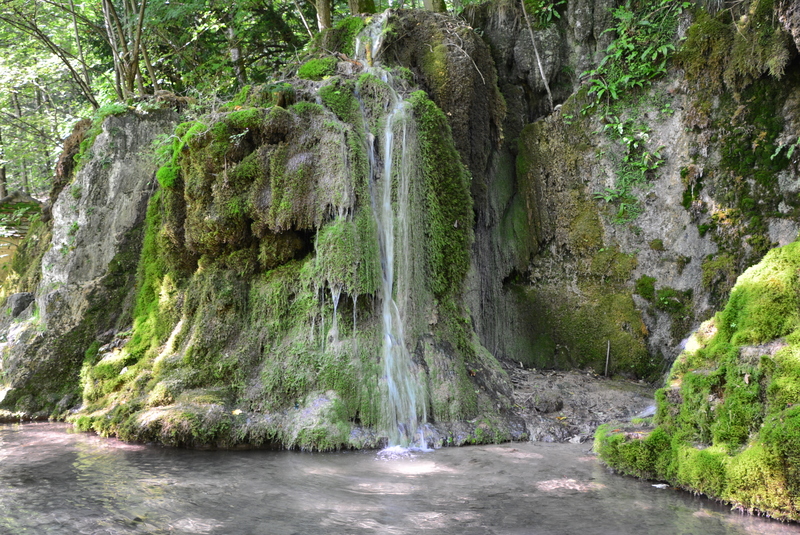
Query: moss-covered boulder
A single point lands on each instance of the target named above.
(727, 423)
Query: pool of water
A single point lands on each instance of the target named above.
(56, 482)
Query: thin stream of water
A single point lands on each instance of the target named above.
(57, 483)
(404, 406)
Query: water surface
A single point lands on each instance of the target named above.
(55, 482)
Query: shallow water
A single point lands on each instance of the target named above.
(55, 482)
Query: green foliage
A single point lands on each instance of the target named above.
(544, 12)
(643, 43)
(317, 68)
(633, 169)
(673, 301)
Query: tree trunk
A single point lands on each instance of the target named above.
(357, 7)
(3, 176)
(536, 53)
(150, 71)
(86, 77)
(323, 14)
(23, 162)
(435, 5)
(234, 52)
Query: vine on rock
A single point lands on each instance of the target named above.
(644, 43)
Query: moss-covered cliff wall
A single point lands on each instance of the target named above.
(624, 216)
(252, 308)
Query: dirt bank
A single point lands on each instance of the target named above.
(560, 406)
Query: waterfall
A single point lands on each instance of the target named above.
(404, 406)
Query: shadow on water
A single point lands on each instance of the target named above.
(55, 482)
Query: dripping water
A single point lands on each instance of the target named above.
(404, 408)
(336, 293)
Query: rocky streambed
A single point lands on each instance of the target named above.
(567, 406)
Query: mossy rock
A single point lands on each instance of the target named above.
(317, 68)
(257, 316)
(728, 418)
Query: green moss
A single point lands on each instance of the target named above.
(167, 176)
(347, 256)
(720, 50)
(435, 67)
(156, 289)
(249, 119)
(338, 96)
(317, 69)
(572, 333)
(611, 264)
(26, 263)
(342, 37)
(719, 274)
(635, 452)
(763, 304)
(730, 411)
(586, 231)
(241, 97)
(98, 118)
(646, 287)
(657, 245)
(676, 302)
(262, 96)
(306, 107)
(448, 226)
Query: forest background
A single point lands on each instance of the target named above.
(62, 60)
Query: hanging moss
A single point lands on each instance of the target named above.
(734, 51)
(449, 223)
(167, 176)
(347, 256)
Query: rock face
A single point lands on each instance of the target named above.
(557, 273)
(87, 274)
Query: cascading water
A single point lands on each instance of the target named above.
(404, 407)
